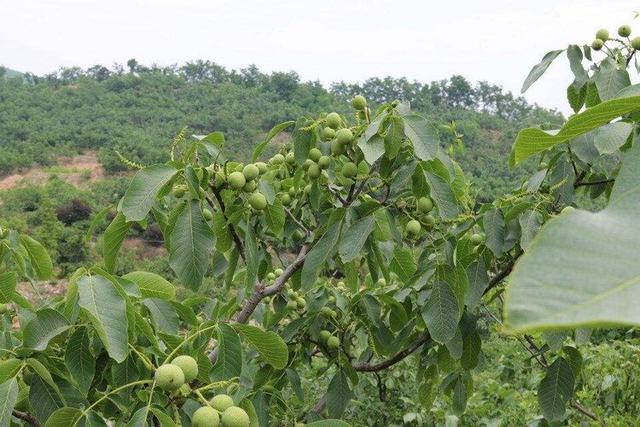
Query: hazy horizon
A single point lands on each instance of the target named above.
(495, 41)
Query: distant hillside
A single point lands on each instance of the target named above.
(9, 73)
(138, 112)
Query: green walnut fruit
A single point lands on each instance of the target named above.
(271, 276)
(597, 44)
(179, 190)
(290, 158)
(324, 335)
(262, 167)
(429, 220)
(307, 163)
(205, 416)
(169, 377)
(349, 170)
(567, 209)
(207, 214)
(4, 308)
(307, 189)
(344, 136)
(250, 172)
(237, 180)
(333, 342)
(333, 120)
(301, 303)
(326, 312)
(258, 201)
(278, 159)
(278, 271)
(337, 148)
(425, 204)
(250, 187)
(221, 402)
(188, 365)
(624, 31)
(413, 227)
(235, 417)
(286, 199)
(314, 171)
(381, 282)
(324, 162)
(328, 133)
(332, 299)
(292, 304)
(602, 34)
(476, 239)
(299, 424)
(359, 102)
(315, 154)
(635, 43)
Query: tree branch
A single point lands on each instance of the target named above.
(26, 417)
(495, 281)
(260, 291)
(375, 367)
(602, 181)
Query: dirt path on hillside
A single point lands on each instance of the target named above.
(76, 170)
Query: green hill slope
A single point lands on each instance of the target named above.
(138, 111)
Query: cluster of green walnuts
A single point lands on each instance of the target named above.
(602, 36)
(219, 410)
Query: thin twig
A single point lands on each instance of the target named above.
(26, 417)
(232, 229)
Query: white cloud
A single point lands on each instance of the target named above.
(494, 40)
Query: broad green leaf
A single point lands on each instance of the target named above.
(165, 420)
(319, 254)
(43, 372)
(338, 395)
(46, 325)
(141, 193)
(574, 53)
(222, 233)
(112, 241)
(63, 417)
(79, 360)
(270, 346)
(7, 286)
(610, 79)
(8, 398)
(538, 70)
(582, 267)
(191, 245)
(459, 397)
(372, 148)
(39, 257)
(163, 314)
(354, 238)
(530, 222)
(229, 361)
(275, 216)
(531, 141)
(139, 418)
(555, 390)
(403, 264)
(609, 138)
(303, 140)
(107, 311)
(423, 136)
(442, 195)
(478, 282)
(9, 369)
(257, 152)
(152, 285)
(44, 400)
(441, 312)
(495, 229)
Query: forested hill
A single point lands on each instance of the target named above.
(138, 110)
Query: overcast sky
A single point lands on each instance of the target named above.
(328, 40)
